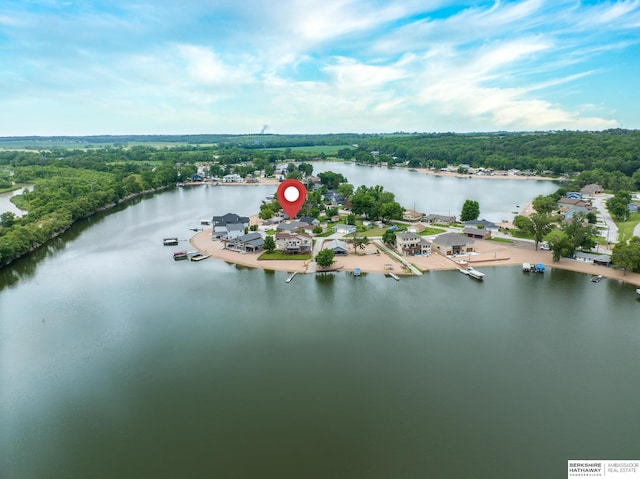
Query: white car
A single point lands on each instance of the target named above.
(545, 247)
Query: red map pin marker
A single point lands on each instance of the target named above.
(291, 195)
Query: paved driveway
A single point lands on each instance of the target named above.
(599, 203)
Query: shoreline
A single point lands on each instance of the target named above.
(489, 254)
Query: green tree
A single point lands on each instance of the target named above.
(618, 205)
(470, 210)
(7, 219)
(391, 211)
(269, 244)
(544, 204)
(389, 237)
(560, 244)
(626, 255)
(360, 242)
(580, 232)
(537, 225)
(325, 258)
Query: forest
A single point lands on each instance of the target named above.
(93, 173)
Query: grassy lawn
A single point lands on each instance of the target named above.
(625, 228)
(431, 231)
(520, 234)
(280, 255)
(371, 232)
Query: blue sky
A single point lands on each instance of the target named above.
(316, 66)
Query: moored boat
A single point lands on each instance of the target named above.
(170, 241)
(474, 273)
(180, 255)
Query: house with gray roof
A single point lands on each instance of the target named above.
(484, 224)
(339, 247)
(249, 243)
(478, 233)
(439, 219)
(292, 226)
(344, 229)
(448, 244)
(229, 226)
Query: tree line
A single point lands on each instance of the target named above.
(65, 191)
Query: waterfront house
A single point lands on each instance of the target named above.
(229, 226)
(411, 244)
(591, 258)
(452, 243)
(249, 243)
(294, 243)
(232, 178)
(339, 247)
(439, 219)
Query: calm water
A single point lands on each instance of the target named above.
(116, 361)
(7, 205)
(445, 195)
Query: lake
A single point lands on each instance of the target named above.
(116, 361)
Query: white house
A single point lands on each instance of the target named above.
(344, 229)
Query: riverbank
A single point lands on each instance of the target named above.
(488, 254)
(58, 232)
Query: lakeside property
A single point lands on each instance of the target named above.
(487, 253)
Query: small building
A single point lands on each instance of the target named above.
(294, 243)
(478, 233)
(411, 244)
(344, 229)
(484, 224)
(591, 258)
(339, 247)
(448, 244)
(249, 243)
(439, 219)
(592, 189)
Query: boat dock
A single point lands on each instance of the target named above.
(472, 272)
(291, 276)
(532, 268)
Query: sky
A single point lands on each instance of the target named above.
(317, 66)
